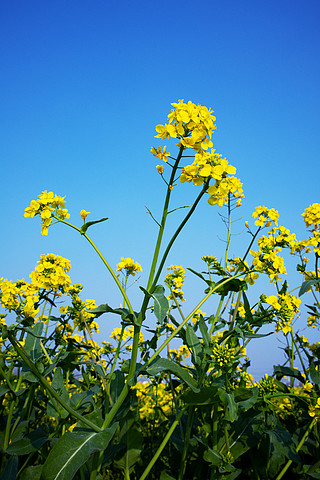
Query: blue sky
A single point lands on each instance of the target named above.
(83, 85)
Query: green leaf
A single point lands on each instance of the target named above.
(86, 225)
(198, 275)
(165, 476)
(206, 396)
(212, 457)
(3, 390)
(282, 443)
(307, 285)
(31, 473)
(28, 444)
(230, 404)
(280, 372)
(162, 364)
(246, 397)
(32, 343)
(194, 344)
(232, 285)
(126, 316)
(133, 439)
(10, 469)
(204, 331)
(161, 304)
(54, 410)
(247, 307)
(314, 374)
(72, 451)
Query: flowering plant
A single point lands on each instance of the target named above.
(175, 401)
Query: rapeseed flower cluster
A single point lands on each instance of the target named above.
(223, 355)
(82, 319)
(22, 297)
(265, 216)
(286, 307)
(51, 273)
(311, 216)
(129, 266)
(191, 124)
(237, 264)
(175, 280)
(47, 206)
(211, 166)
(196, 316)
(314, 410)
(266, 259)
(267, 385)
(155, 402)
(179, 355)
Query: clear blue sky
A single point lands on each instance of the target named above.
(83, 85)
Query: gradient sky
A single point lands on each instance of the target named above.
(83, 85)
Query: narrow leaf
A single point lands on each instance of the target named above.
(194, 344)
(86, 225)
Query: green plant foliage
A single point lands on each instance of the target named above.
(170, 395)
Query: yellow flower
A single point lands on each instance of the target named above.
(314, 411)
(84, 214)
(129, 266)
(311, 216)
(265, 216)
(162, 154)
(160, 169)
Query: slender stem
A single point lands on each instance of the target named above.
(25, 357)
(162, 445)
(186, 443)
(175, 235)
(115, 362)
(251, 243)
(287, 465)
(114, 276)
(164, 218)
(229, 233)
(216, 315)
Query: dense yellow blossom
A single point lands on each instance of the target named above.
(311, 216)
(175, 280)
(51, 273)
(129, 266)
(155, 402)
(265, 216)
(287, 306)
(191, 124)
